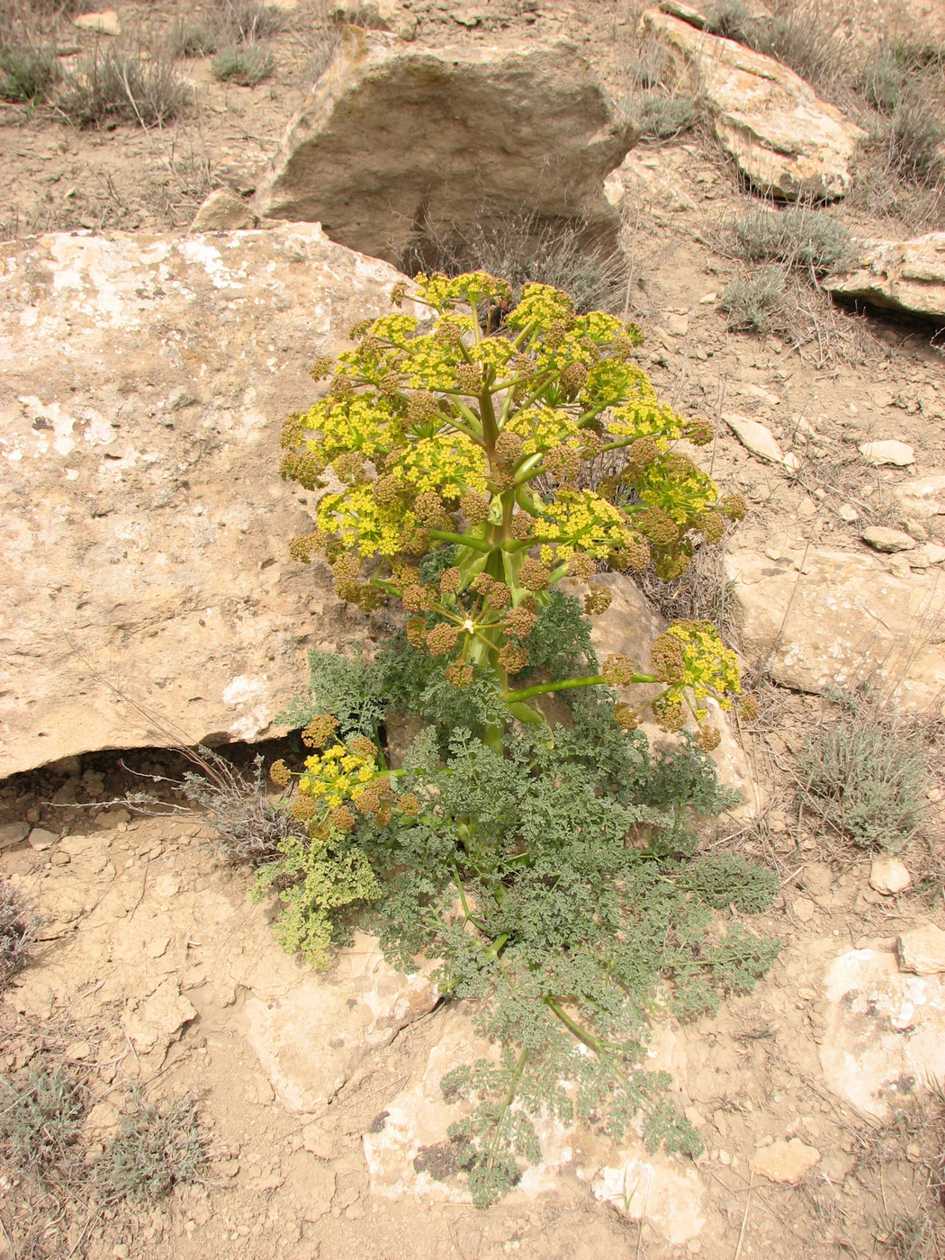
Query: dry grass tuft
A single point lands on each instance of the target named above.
(115, 85)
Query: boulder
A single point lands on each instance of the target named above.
(104, 23)
(887, 452)
(149, 597)
(884, 1034)
(393, 137)
(897, 275)
(784, 139)
(922, 500)
(824, 619)
(882, 538)
(889, 876)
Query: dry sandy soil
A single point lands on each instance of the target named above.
(142, 910)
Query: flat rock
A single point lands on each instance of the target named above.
(12, 833)
(39, 838)
(223, 210)
(159, 1019)
(826, 619)
(787, 141)
(898, 275)
(887, 451)
(884, 1033)
(628, 628)
(786, 1161)
(392, 136)
(922, 950)
(889, 876)
(755, 437)
(104, 23)
(310, 1038)
(143, 382)
(882, 538)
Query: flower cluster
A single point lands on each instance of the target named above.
(474, 424)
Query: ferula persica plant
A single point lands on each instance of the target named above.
(527, 838)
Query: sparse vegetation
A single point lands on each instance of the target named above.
(115, 85)
(17, 933)
(27, 74)
(192, 38)
(915, 138)
(526, 248)
(809, 240)
(731, 20)
(866, 779)
(156, 1149)
(247, 65)
(663, 117)
(250, 22)
(41, 1112)
(754, 302)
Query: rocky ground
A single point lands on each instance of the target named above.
(319, 1093)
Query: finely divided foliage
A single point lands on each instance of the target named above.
(548, 866)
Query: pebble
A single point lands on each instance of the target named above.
(847, 512)
(41, 839)
(922, 950)
(888, 451)
(786, 1162)
(882, 538)
(755, 437)
(803, 909)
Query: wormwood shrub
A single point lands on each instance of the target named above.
(17, 933)
(247, 66)
(753, 302)
(550, 865)
(156, 1149)
(41, 1113)
(866, 780)
(27, 74)
(794, 237)
(114, 85)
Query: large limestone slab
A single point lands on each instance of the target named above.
(824, 619)
(393, 135)
(786, 140)
(144, 527)
(898, 275)
(410, 1156)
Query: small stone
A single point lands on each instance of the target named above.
(677, 325)
(922, 950)
(888, 451)
(104, 23)
(12, 833)
(791, 462)
(77, 1051)
(755, 437)
(803, 909)
(59, 859)
(785, 1161)
(41, 839)
(888, 876)
(724, 1158)
(881, 538)
(222, 211)
(847, 512)
(925, 556)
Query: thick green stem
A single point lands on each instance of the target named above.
(462, 540)
(573, 1026)
(566, 684)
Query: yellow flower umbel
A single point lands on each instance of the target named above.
(337, 775)
(691, 658)
(468, 421)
